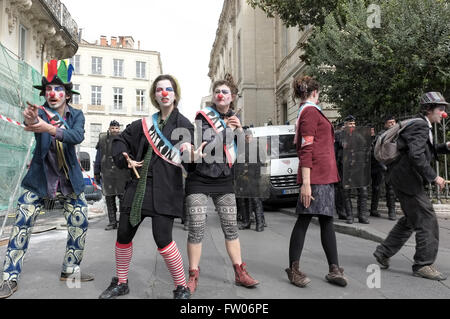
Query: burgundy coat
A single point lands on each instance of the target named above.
(318, 155)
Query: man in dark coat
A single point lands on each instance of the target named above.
(112, 178)
(378, 175)
(408, 176)
(345, 194)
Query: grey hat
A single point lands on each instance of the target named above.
(432, 98)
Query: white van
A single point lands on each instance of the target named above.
(283, 162)
(86, 156)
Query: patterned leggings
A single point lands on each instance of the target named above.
(28, 208)
(196, 212)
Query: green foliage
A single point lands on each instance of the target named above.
(379, 71)
(297, 12)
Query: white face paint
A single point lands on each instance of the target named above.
(164, 93)
(222, 96)
(55, 95)
(436, 115)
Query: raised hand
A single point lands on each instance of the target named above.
(133, 164)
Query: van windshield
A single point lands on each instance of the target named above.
(286, 146)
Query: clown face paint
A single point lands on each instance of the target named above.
(164, 93)
(222, 97)
(55, 95)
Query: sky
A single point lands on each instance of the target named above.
(182, 31)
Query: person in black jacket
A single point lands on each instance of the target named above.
(378, 175)
(213, 177)
(106, 173)
(408, 176)
(155, 191)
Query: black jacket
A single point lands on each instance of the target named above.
(413, 170)
(165, 188)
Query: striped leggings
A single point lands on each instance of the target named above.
(196, 205)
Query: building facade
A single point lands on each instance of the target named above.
(244, 48)
(263, 55)
(36, 31)
(114, 80)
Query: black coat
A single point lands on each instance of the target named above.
(164, 193)
(413, 170)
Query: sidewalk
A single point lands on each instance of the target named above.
(379, 227)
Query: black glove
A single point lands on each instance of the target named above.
(97, 179)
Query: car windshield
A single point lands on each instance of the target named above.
(286, 147)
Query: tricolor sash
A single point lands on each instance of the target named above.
(214, 120)
(300, 111)
(54, 118)
(160, 144)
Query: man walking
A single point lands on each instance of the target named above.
(408, 176)
(378, 172)
(112, 178)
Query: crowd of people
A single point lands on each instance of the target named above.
(157, 173)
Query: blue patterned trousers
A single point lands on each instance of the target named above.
(28, 208)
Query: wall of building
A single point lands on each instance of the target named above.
(269, 55)
(104, 113)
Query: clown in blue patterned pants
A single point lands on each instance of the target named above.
(29, 206)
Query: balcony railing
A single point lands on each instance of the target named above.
(63, 16)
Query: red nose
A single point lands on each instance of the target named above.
(52, 94)
(164, 93)
(220, 96)
(444, 115)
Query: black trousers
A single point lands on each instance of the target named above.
(421, 218)
(161, 227)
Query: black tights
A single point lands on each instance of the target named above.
(327, 236)
(161, 228)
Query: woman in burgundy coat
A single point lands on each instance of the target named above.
(317, 172)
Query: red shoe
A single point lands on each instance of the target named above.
(242, 276)
(193, 279)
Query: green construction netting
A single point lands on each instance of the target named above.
(16, 88)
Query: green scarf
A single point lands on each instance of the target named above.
(136, 207)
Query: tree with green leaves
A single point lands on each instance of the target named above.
(297, 12)
(379, 71)
(370, 72)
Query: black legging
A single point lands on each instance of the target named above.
(161, 226)
(327, 236)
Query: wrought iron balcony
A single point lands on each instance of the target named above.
(63, 16)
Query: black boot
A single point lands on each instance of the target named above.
(374, 202)
(348, 206)
(245, 213)
(363, 212)
(112, 211)
(181, 293)
(390, 201)
(115, 289)
(259, 214)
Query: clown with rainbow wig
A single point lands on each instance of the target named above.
(54, 173)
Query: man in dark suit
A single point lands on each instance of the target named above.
(408, 176)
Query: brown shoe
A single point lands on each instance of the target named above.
(336, 276)
(242, 276)
(193, 279)
(296, 277)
